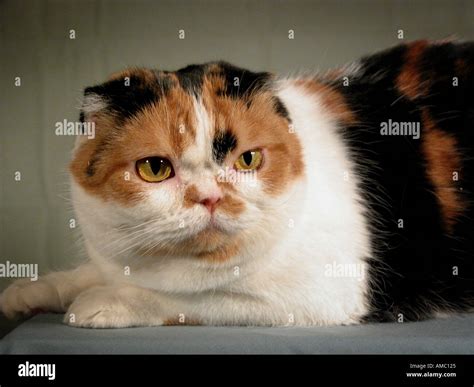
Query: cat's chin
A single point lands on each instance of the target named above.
(210, 237)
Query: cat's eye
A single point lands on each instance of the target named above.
(154, 169)
(249, 161)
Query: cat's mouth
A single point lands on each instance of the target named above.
(209, 236)
(214, 223)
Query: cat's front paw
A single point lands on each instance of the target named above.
(106, 307)
(25, 297)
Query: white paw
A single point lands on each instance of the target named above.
(104, 307)
(25, 297)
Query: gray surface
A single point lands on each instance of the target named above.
(45, 334)
(6, 325)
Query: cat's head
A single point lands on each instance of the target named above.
(198, 162)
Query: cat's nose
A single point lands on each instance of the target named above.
(210, 202)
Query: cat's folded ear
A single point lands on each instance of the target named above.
(93, 105)
(97, 99)
(120, 97)
(123, 94)
(94, 102)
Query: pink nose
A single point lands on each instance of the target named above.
(210, 202)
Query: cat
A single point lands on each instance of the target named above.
(215, 195)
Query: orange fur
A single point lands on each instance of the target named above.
(231, 205)
(221, 253)
(410, 82)
(191, 196)
(258, 126)
(332, 100)
(211, 244)
(442, 160)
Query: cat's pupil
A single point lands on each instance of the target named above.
(247, 156)
(155, 164)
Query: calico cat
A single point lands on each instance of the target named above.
(215, 195)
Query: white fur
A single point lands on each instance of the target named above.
(280, 275)
(93, 103)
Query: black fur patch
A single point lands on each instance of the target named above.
(241, 83)
(413, 273)
(82, 120)
(91, 165)
(280, 108)
(224, 142)
(191, 78)
(126, 101)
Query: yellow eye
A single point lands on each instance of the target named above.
(249, 160)
(154, 169)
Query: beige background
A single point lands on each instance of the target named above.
(35, 45)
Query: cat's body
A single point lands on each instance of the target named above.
(342, 221)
